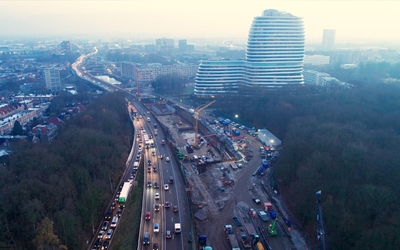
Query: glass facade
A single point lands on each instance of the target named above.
(274, 58)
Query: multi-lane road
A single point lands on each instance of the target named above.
(165, 217)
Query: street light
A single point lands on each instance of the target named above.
(236, 116)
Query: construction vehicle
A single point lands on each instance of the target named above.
(272, 229)
(196, 117)
(259, 246)
(231, 237)
(245, 241)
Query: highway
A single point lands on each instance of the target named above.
(166, 217)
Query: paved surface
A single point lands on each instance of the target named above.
(221, 206)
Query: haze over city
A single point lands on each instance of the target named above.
(354, 21)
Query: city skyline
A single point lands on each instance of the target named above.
(354, 21)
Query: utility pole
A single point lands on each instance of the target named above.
(321, 236)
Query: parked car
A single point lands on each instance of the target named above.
(256, 200)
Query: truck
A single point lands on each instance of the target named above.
(245, 241)
(231, 237)
(123, 196)
(259, 246)
(267, 206)
(272, 214)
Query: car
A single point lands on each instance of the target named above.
(97, 244)
(105, 225)
(148, 169)
(157, 196)
(166, 187)
(161, 156)
(138, 135)
(101, 234)
(162, 142)
(153, 153)
(155, 246)
(108, 214)
(113, 205)
(144, 131)
(131, 178)
(146, 238)
(116, 198)
(167, 158)
(109, 234)
(149, 184)
(150, 137)
(149, 163)
(168, 234)
(167, 204)
(138, 156)
(171, 179)
(256, 200)
(152, 145)
(133, 173)
(119, 190)
(156, 228)
(119, 212)
(156, 207)
(175, 208)
(147, 216)
(156, 185)
(105, 244)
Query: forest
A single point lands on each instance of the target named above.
(345, 143)
(53, 195)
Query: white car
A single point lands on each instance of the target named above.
(157, 196)
(166, 187)
(167, 158)
(156, 228)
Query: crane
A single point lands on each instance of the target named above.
(196, 117)
(272, 229)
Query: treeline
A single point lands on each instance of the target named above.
(345, 144)
(169, 84)
(52, 195)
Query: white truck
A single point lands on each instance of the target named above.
(123, 196)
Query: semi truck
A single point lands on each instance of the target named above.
(232, 237)
(123, 196)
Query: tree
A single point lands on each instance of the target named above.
(17, 129)
(45, 237)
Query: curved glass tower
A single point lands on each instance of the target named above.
(274, 58)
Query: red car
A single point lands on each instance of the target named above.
(147, 215)
(162, 142)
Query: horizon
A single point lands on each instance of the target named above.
(192, 19)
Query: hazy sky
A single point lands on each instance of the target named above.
(353, 20)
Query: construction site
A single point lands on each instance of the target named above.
(213, 164)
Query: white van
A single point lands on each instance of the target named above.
(177, 228)
(114, 221)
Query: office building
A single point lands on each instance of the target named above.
(164, 44)
(274, 58)
(182, 45)
(65, 46)
(328, 40)
(52, 79)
